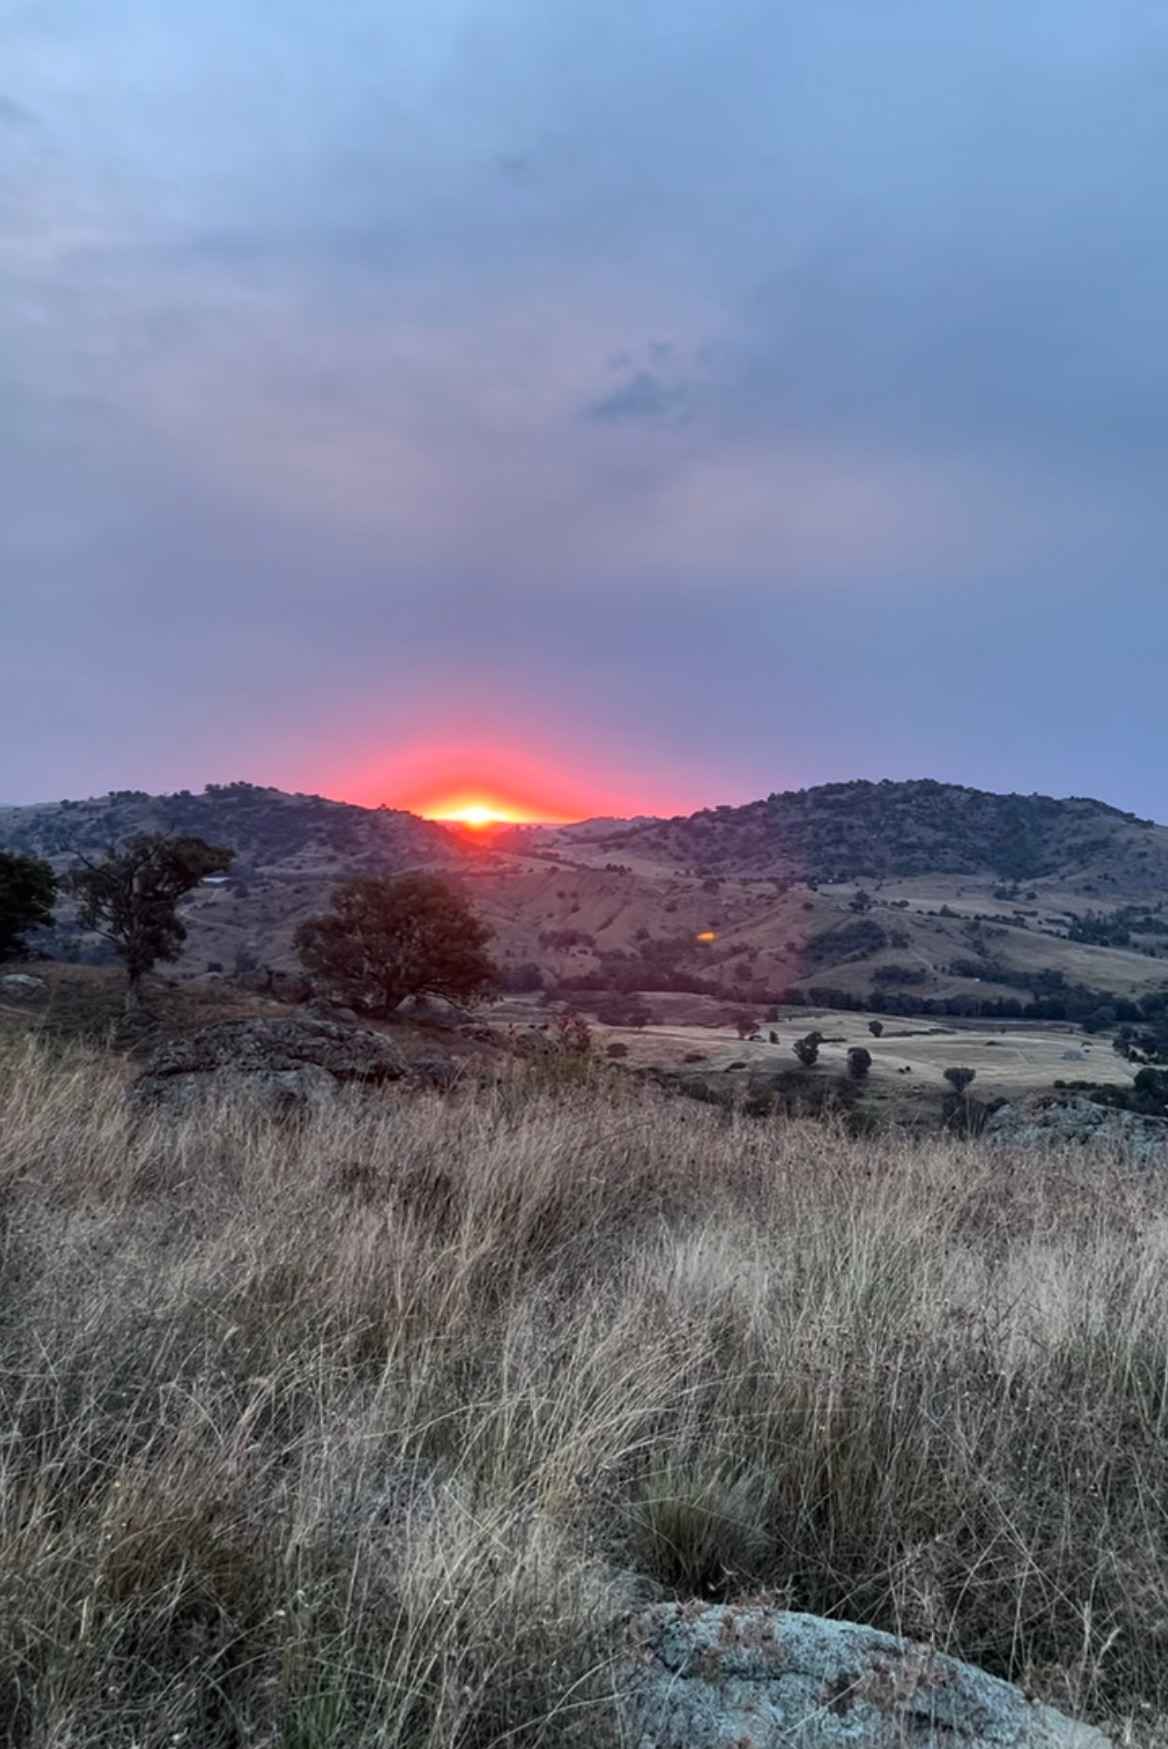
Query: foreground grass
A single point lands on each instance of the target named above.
(367, 1431)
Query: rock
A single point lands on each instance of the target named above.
(280, 1064)
(435, 1071)
(699, 1676)
(21, 985)
(435, 1010)
(1045, 1122)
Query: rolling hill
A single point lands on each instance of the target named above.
(906, 897)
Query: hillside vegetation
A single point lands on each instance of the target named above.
(845, 831)
(266, 828)
(368, 1430)
(911, 898)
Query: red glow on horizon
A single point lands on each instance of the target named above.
(478, 811)
(481, 782)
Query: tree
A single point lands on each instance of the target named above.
(859, 1062)
(807, 1050)
(28, 889)
(131, 899)
(389, 937)
(860, 901)
(960, 1079)
(745, 1026)
(876, 1028)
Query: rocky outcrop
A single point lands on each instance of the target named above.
(22, 986)
(723, 1677)
(278, 1064)
(1071, 1121)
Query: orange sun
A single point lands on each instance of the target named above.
(476, 814)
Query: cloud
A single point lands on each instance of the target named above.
(15, 115)
(642, 396)
(388, 344)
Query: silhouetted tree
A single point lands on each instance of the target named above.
(807, 1050)
(876, 1028)
(131, 899)
(960, 1079)
(28, 890)
(860, 901)
(389, 937)
(746, 1026)
(859, 1062)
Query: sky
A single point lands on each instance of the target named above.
(610, 406)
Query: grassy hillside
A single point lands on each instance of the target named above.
(370, 1431)
(798, 894)
(863, 830)
(270, 831)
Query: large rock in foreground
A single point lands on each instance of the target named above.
(720, 1677)
(279, 1065)
(1044, 1121)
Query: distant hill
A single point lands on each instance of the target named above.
(269, 830)
(869, 831)
(904, 897)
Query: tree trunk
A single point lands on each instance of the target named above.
(134, 1002)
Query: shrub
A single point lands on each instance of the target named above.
(960, 1079)
(28, 891)
(859, 1062)
(807, 1050)
(876, 1028)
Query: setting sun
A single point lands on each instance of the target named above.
(473, 814)
(476, 812)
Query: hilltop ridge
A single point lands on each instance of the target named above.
(897, 894)
(864, 829)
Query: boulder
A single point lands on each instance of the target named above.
(434, 1010)
(281, 1065)
(1070, 1121)
(21, 985)
(698, 1676)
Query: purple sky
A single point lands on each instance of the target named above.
(688, 401)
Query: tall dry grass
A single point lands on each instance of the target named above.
(366, 1430)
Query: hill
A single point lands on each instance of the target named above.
(845, 831)
(900, 898)
(269, 830)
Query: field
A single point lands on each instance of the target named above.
(1009, 1060)
(370, 1430)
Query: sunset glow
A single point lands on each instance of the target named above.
(474, 813)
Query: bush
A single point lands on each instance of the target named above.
(960, 1079)
(28, 892)
(807, 1049)
(859, 1063)
(876, 1028)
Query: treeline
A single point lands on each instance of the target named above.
(1052, 997)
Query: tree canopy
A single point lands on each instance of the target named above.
(388, 937)
(131, 897)
(28, 890)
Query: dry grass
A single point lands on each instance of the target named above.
(365, 1431)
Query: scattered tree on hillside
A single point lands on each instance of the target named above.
(859, 1062)
(131, 899)
(807, 1050)
(860, 901)
(28, 890)
(960, 1079)
(876, 1028)
(745, 1026)
(389, 937)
